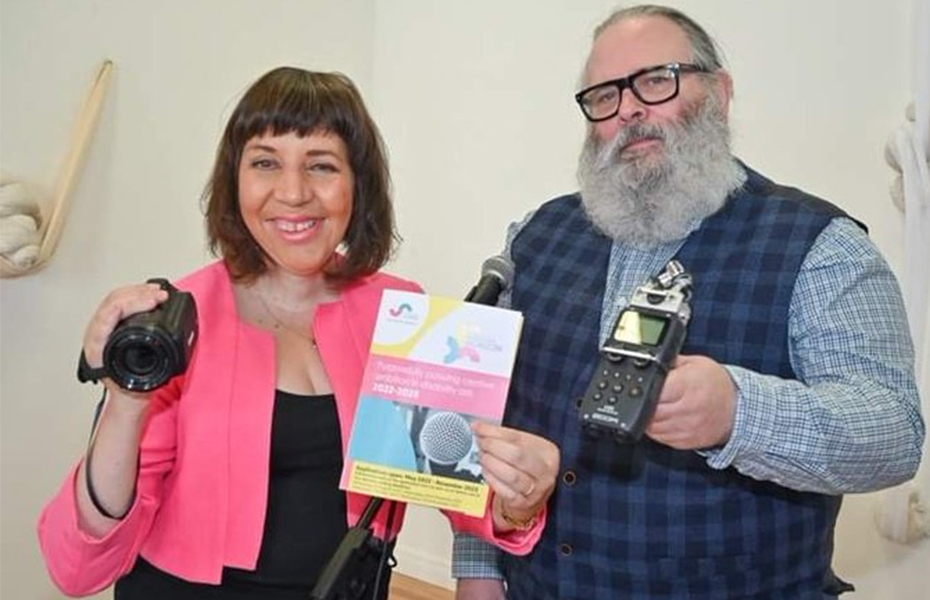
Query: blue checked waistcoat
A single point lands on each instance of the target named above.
(647, 521)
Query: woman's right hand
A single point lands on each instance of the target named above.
(114, 449)
(119, 304)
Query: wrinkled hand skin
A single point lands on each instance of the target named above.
(521, 468)
(697, 405)
(479, 589)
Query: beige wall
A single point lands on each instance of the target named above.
(474, 99)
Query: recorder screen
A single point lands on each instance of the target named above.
(637, 328)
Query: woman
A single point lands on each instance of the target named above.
(223, 483)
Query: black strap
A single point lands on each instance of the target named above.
(94, 499)
(386, 561)
(93, 495)
(87, 373)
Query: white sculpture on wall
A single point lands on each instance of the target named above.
(29, 234)
(20, 220)
(903, 512)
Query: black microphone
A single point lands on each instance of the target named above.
(496, 276)
(353, 572)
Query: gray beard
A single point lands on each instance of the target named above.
(647, 201)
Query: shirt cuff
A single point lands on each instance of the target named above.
(473, 558)
(751, 423)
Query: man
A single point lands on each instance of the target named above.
(795, 384)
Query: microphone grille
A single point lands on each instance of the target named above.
(445, 438)
(501, 267)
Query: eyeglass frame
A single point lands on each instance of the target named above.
(623, 83)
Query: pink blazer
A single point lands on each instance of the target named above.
(203, 482)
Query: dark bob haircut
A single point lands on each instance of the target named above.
(290, 100)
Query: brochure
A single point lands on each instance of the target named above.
(436, 366)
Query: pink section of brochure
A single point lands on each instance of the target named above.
(435, 386)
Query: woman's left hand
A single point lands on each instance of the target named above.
(521, 469)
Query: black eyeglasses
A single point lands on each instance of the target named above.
(652, 85)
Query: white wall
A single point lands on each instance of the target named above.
(474, 100)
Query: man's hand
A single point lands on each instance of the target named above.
(521, 469)
(480, 589)
(696, 407)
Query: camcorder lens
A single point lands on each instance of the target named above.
(140, 359)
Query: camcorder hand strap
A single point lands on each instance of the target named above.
(87, 373)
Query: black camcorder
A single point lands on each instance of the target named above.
(147, 349)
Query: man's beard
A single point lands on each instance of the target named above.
(658, 197)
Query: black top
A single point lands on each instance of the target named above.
(305, 521)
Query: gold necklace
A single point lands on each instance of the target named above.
(279, 324)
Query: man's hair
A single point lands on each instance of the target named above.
(290, 100)
(706, 51)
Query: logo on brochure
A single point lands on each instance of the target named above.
(404, 313)
(467, 343)
(400, 310)
(458, 351)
